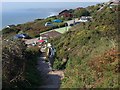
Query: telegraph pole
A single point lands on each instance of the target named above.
(74, 19)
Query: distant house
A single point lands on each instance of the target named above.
(65, 13)
(9, 26)
(85, 19)
(50, 34)
(114, 2)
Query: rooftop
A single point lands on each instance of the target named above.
(51, 34)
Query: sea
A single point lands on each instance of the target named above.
(22, 12)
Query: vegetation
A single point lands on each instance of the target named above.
(81, 12)
(0, 61)
(88, 53)
(19, 65)
(33, 29)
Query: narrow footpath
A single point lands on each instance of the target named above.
(50, 78)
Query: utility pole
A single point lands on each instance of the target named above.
(74, 19)
(66, 27)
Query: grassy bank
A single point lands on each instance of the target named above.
(88, 53)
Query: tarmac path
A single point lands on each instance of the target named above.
(50, 78)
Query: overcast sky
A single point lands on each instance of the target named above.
(10, 6)
(54, 0)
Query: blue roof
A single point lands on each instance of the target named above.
(57, 20)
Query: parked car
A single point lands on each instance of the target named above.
(77, 23)
(22, 36)
(83, 19)
(71, 24)
(49, 24)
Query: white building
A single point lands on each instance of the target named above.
(85, 19)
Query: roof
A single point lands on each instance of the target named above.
(41, 41)
(11, 25)
(51, 34)
(8, 26)
(57, 20)
(66, 14)
(114, 2)
(64, 11)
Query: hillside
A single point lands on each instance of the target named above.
(88, 53)
(34, 28)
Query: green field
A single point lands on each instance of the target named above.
(60, 30)
(63, 30)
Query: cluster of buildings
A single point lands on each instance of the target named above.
(114, 2)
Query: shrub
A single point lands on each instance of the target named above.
(13, 63)
(19, 65)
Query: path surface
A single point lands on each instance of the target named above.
(72, 21)
(30, 41)
(50, 79)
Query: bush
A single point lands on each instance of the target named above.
(91, 58)
(13, 59)
(19, 65)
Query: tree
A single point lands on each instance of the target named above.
(81, 12)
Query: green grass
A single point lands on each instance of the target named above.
(63, 30)
(60, 30)
(46, 31)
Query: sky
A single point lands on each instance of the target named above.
(6, 5)
(54, 0)
(10, 6)
(15, 5)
